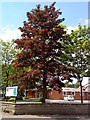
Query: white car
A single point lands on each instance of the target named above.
(66, 98)
(70, 98)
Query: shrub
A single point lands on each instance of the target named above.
(35, 99)
(12, 99)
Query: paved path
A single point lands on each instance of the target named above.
(66, 101)
(45, 119)
(33, 117)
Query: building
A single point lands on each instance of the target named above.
(55, 95)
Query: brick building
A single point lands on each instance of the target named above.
(55, 95)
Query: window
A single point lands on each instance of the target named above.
(88, 93)
(73, 93)
(64, 93)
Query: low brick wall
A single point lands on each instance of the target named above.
(46, 109)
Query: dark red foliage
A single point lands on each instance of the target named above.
(41, 49)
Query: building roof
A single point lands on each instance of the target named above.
(86, 87)
(71, 89)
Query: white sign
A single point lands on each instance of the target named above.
(11, 91)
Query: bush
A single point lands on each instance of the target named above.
(32, 99)
(25, 98)
(35, 99)
(12, 99)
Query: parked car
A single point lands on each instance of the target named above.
(70, 98)
(65, 97)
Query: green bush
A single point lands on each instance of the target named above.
(12, 99)
(35, 99)
(25, 98)
(32, 99)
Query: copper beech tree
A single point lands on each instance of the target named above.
(40, 45)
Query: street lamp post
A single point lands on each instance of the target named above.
(81, 90)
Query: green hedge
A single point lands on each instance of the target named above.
(36, 103)
(32, 99)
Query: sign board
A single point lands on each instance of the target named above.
(11, 91)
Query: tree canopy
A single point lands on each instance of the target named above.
(76, 51)
(40, 45)
(8, 54)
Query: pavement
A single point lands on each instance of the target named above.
(38, 117)
(66, 101)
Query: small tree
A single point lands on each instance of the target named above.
(41, 49)
(76, 52)
(7, 56)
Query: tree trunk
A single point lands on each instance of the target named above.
(7, 74)
(44, 95)
(44, 88)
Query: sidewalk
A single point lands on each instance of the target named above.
(46, 118)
